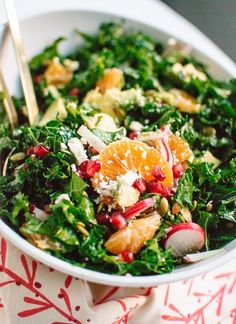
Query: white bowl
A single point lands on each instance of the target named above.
(40, 31)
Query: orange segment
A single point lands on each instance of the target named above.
(184, 102)
(112, 78)
(126, 155)
(180, 148)
(58, 74)
(133, 236)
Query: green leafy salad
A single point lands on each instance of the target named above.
(131, 166)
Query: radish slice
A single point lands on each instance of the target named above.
(161, 137)
(139, 208)
(184, 238)
(165, 149)
(92, 139)
(77, 149)
(166, 152)
(195, 257)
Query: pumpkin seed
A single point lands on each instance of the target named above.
(164, 206)
(18, 157)
(81, 227)
(209, 207)
(209, 131)
(194, 205)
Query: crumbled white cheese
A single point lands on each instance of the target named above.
(140, 99)
(128, 178)
(126, 196)
(73, 167)
(135, 126)
(144, 155)
(188, 71)
(56, 60)
(71, 65)
(107, 188)
(72, 105)
(62, 197)
(77, 149)
(95, 157)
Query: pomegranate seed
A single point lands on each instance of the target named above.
(158, 173)
(117, 220)
(92, 150)
(156, 187)
(88, 168)
(140, 185)
(40, 150)
(38, 78)
(127, 256)
(47, 208)
(103, 218)
(177, 170)
(74, 92)
(83, 166)
(133, 135)
(138, 208)
(31, 208)
(30, 150)
(92, 167)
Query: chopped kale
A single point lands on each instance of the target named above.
(60, 188)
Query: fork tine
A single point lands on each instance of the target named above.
(27, 84)
(8, 103)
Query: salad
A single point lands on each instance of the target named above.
(132, 164)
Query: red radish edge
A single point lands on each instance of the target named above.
(169, 156)
(139, 207)
(188, 227)
(183, 226)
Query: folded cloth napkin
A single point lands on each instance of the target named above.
(31, 293)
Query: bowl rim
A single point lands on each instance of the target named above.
(105, 278)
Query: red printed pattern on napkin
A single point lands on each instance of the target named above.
(173, 306)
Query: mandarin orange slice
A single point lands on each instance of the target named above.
(134, 235)
(180, 148)
(58, 74)
(131, 155)
(112, 78)
(184, 102)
